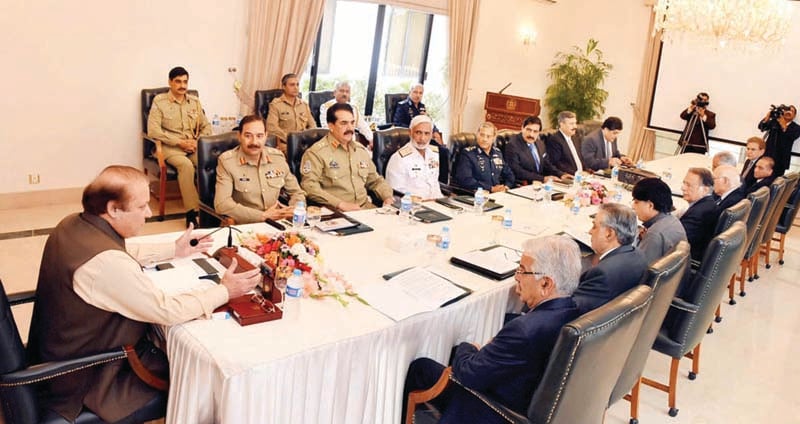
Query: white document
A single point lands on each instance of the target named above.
(500, 260)
(181, 279)
(409, 293)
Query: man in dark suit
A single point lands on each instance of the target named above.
(763, 174)
(620, 266)
(527, 156)
(781, 135)
(599, 148)
(700, 218)
(564, 151)
(697, 141)
(510, 367)
(728, 187)
(753, 151)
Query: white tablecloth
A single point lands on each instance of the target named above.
(337, 364)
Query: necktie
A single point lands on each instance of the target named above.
(535, 155)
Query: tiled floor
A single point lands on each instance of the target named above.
(749, 365)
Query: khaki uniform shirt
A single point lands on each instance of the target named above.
(171, 121)
(245, 189)
(333, 174)
(283, 117)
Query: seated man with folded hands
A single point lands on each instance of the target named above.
(510, 367)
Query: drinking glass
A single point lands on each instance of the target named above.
(314, 216)
(416, 206)
(280, 284)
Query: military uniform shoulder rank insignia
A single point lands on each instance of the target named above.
(469, 148)
(362, 164)
(434, 148)
(405, 151)
(306, 167)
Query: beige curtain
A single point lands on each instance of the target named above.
(463, 28)
(280, 37)
(643, 139)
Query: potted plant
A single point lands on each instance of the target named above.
(577, 84)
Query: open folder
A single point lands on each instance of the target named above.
(412, 291)
(496, 262)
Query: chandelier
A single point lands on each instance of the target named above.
(722, 23)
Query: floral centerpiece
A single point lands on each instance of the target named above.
(590, 193)
(285, 252)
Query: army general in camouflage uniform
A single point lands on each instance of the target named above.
(250, 178)
(337, 171)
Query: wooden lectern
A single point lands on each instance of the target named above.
(508, 112)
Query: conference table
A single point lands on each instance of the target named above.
(330, 363)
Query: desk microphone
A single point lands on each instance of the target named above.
(195, 241)
(504, 88)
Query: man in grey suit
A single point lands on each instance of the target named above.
(526, 155)
(620, 266)
(599, 147)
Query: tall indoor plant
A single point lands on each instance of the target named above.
(577, 83)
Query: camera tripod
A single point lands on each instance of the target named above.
(686, 135)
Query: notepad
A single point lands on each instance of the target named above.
(497, 262)
(336, 224)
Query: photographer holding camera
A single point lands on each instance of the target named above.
(699, 121)
(781, 131)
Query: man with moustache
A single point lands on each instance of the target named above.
(250, 178)
(599, 147)
(337, 172)
(483, 165)
(563, 150)
(700, 218)
(527, 156)
(763, 173)
(341, 93)
(414, 168)
(177, 120)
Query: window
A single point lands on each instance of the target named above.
(412, 46)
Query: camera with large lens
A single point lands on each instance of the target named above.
(776, 112)
(700, 102)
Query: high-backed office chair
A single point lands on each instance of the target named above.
(315, 100)
(262, 99)
(690, 314)
(18, 379)
(297, 144)
(785, 222)
(154, 163)
(385, 143)
(574, 389)
(502, 139)
(390, 104)
(663, 276)
(458, 142)
(735, 213)
(776, 190)
(772, 223)
(208, 150)
(758, 201)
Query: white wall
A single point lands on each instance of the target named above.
(621, 27)
(72, 72)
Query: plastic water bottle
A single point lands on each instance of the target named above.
(578, 180)
(507, 219)
(615, 175)
(618, 196)
(640, 164)
(299, 215)
(444, 243)
(294, 291)
(239, 119)
(548, 191)
(215, 127)
(576, 207)
(480, 200)
(405, 207)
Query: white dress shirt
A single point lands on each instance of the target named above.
(573, 152)
(361, 124)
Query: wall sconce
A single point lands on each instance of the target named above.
(528, 36)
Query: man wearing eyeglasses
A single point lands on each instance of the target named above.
(250, 178)
(727, 185)
(510, 367)
(620, 266)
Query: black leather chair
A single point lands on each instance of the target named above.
(390, 104)
(208, 150)
(315, 100)
(692, 311)
(503, 137)
(458, 142)
(385, 143)
(262, 99)
(776, 190)
(154, 163)
(574, 389)
(663, 276)
(737, 212)
(772, 223)
(758, 201)
(785, 222)
(297, 144)
(18, 379)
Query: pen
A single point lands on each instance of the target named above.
(275, 224)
